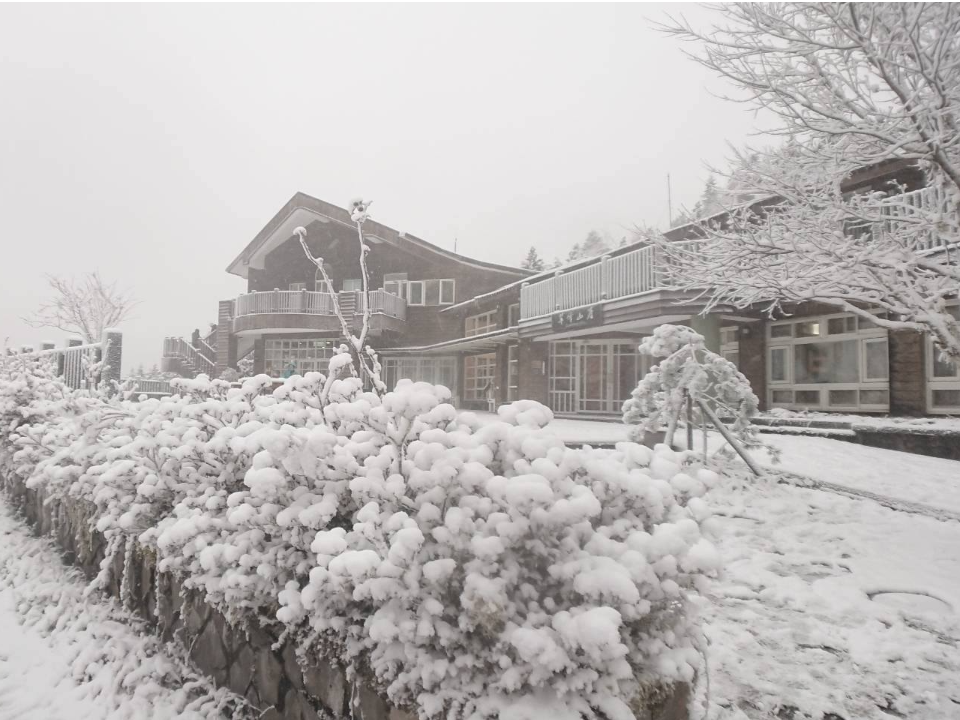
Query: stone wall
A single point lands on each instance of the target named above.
(244, 657)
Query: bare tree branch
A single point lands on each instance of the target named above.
(85, 306)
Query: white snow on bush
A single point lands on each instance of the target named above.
(467, 565)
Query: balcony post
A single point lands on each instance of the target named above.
(604, 283)
(304, 307)
(553, 287)
(276, 300)
(523, 286)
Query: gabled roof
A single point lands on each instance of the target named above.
(302, 209)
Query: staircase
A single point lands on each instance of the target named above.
(190, 359)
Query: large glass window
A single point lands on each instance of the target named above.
(830, 362)
(943, 377)
(479, 324)
(478, 376)
(433, 370)
(283, 358)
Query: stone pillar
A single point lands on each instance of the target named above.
(908, 377)
(226, 342)
(259, 356)
(112, 349)
(709, 327)
(533, 371)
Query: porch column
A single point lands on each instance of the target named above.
(709, 327)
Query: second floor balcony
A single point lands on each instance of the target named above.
(288, 310)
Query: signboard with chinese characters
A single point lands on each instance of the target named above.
(584, 317)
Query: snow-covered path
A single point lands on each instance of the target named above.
(792, 623)
(66, 657)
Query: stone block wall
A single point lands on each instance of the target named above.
(245, 657)
(908, 390)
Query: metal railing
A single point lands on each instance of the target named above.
(305, 302)
(607, 278)
(151, 387)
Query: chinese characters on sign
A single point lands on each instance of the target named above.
(579, 318)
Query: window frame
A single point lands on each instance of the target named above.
(940, 383)
(453, 291)
(423, 292)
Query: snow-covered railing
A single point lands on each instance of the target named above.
(174, 347)
(385, 303)
(608, 277)
(917, 205)
(304, 302)
(152, 387)
(76, 362)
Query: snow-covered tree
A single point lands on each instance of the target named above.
(853, 86)
(533, 261)
(690, 385)
(85, 306)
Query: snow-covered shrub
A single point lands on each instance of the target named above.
(464, 567)
(688, 370)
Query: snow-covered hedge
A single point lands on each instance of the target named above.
(466, 566)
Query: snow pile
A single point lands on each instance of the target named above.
(465, 565)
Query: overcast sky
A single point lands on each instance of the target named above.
(153, 143)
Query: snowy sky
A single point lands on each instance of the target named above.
(152, 143)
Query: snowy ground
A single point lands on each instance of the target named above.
(66, 657)
(904, 476)
(798, 626)
(792, 623)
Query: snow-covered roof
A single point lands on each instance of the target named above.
(302, 209)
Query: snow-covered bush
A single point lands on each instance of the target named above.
(688, 372)
(462, 566)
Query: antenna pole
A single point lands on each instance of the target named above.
(669, 204)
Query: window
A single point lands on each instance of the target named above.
(396, 284)
(479, 324)
(283, 358)
(478, 374)
(943, 378)
(730, 344)
(447, 292)
(415, 292)
(297, 286)
(423, 292)
(513, 315)
(433, 370)
(593, 376)
(830, 362)
(352, 285)
(513, 373)
(778, 365)
(875, 360)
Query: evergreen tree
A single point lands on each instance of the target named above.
(533, 261)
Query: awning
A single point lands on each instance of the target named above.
(474, 345)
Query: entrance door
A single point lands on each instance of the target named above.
(604, 373)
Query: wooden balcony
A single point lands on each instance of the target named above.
(920, 206)
(608, 278)
(294, 310)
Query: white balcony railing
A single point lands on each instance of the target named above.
(608, 278)
(924, 205)
(303, 302)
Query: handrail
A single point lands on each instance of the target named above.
(305, 302)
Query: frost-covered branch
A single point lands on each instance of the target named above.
(854, 86)
(86, 306)
(364, 359)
